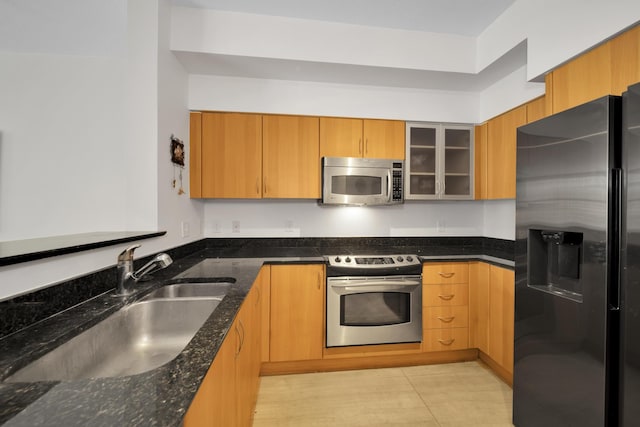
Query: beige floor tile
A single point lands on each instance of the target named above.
(458, 394)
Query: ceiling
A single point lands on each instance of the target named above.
(462, 17)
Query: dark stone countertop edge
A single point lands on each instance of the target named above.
(99, 401)
(19, 251)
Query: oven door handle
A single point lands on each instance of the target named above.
(346, 287)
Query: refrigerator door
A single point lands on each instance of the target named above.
(566, 251)
(630, 397)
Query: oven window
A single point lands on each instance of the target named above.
(356, 185)
(375, 308)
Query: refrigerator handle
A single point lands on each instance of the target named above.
(616, 264)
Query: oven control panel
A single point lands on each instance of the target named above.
(372, 261)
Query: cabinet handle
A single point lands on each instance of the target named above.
(259, 297)
(264, 184)
(447, 297)
(447, 275)
(360, 145)
(447, 342)
(242, 336)
(319, 281)
(257, 185)
(446, 319)
(239, 348)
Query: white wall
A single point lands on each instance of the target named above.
(309, 98)
(121, 167)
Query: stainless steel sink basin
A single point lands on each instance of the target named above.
(137, 338)
(191, 290)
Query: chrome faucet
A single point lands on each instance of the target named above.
(127, 278)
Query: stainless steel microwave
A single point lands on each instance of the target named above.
(358, 181)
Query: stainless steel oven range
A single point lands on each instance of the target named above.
(373, 299)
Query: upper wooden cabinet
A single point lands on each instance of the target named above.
(480, 166)
(501, 153)
(536, 109)
(607, 69)
(342, 137)
(290, 157)
(230, 156)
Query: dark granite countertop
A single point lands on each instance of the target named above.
(162, 396)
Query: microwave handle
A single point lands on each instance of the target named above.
(389, 189)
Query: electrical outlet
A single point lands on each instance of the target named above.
(185, 228)
(235, 226)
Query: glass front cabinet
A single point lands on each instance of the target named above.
(439, 161)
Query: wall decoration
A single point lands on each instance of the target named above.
(177, 158)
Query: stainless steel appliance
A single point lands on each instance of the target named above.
(373, 299)
(358, 181)
(569, 219)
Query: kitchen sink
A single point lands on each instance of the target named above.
(137, 338)
(191, 290)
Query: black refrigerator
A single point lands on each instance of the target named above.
(577, 267)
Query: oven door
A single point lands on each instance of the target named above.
(373, 310)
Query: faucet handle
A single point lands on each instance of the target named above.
(127, 254)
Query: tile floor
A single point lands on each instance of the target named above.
(455, 394)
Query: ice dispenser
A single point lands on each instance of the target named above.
(555, 258)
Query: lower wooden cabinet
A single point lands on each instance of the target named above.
(228, 393)
(491, 313)
(296, 312)
(445, 306)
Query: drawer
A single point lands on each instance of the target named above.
(445, 295)
(445, 317)
(445, 339)
(434, 273)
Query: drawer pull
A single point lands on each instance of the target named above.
(446, 319)
(447, 342)
(447, 297)
(446, 275)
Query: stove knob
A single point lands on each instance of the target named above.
(347, 259)
(400, 259)
(409, 258)
(338, 259)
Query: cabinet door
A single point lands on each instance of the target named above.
(420, 167)
(247, 329)
(625, 56)
(479, 306)
(383, 139)
(536, 109)
(297, 312)
(341, 137)
(480, 171)
(457, 154)
(215, 402)
(231, 155)
(291, 157)
(264, 281)
(501, 154)
(583, 79)
(195, 154)
(501, 316)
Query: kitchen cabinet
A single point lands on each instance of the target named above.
(536, 109)
(501, 153)
(480, 166)
(297, 312)
(439, 161)
(501, 316)
(291, 157)
(370, 138)
(231, 155)
(445, 307)
(491, 314)
(606, 69)
(229, 390)
(264, 283)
